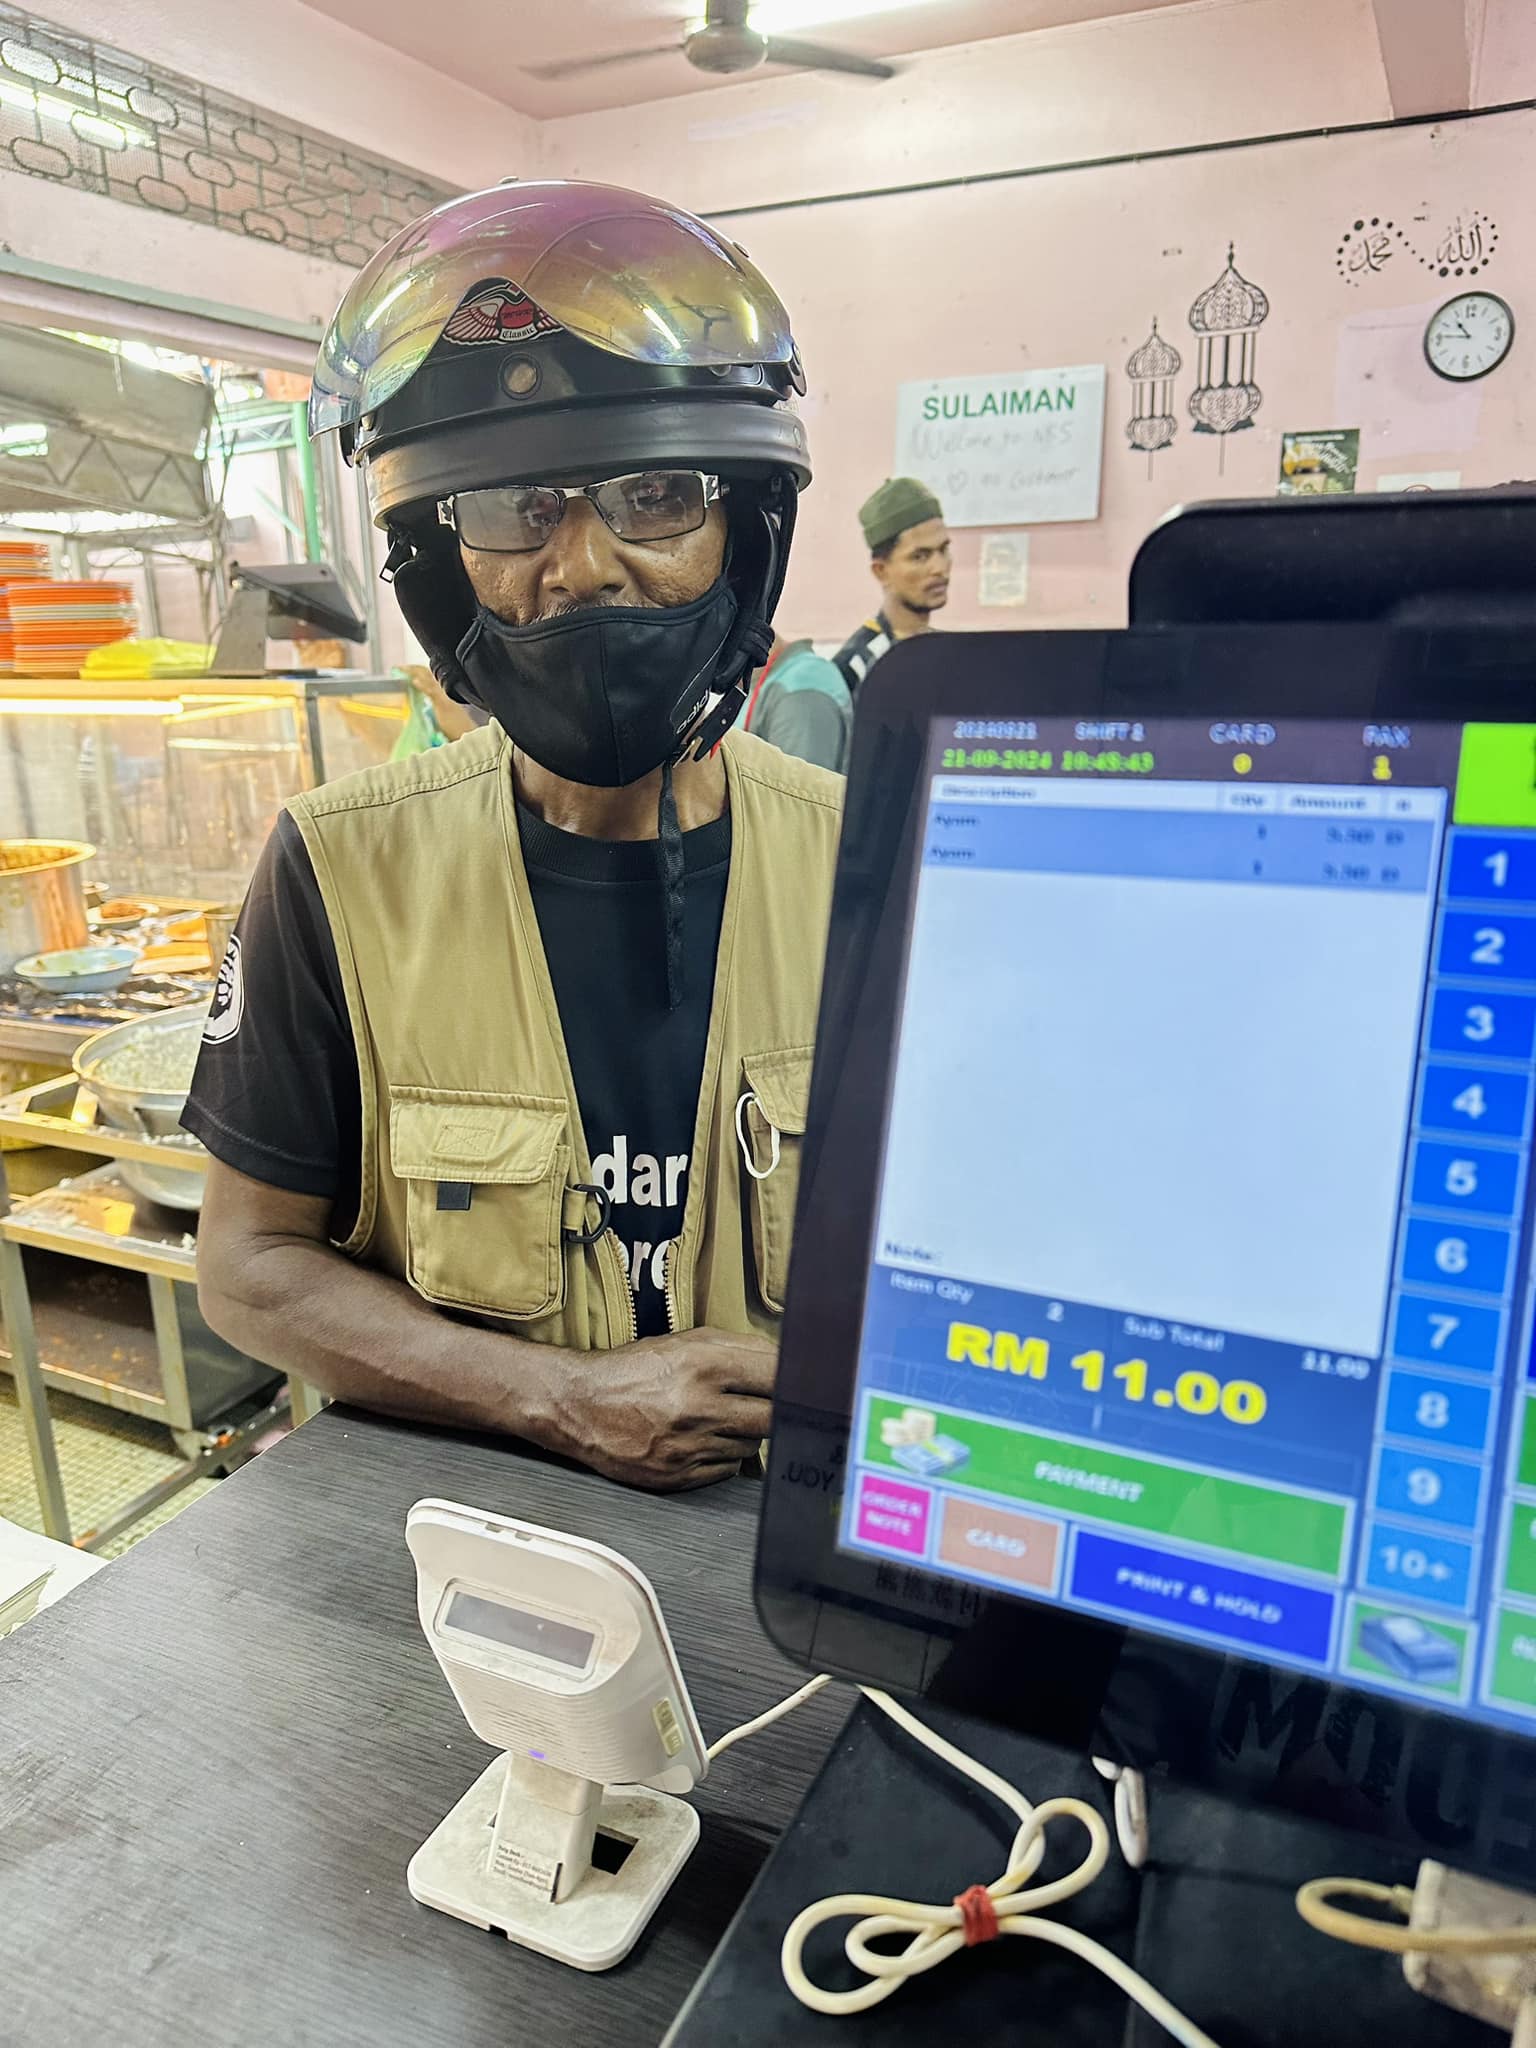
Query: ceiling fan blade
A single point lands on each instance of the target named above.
(816, 57)
(578, 67)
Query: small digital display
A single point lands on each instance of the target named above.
(514, 1628)
(1200, 1291)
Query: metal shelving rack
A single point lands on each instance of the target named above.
(216, 1402)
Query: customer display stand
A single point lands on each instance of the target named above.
(216, 1402)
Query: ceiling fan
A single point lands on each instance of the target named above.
(725, 43)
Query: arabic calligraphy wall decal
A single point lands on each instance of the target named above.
(1464, 249)
(1365, 249)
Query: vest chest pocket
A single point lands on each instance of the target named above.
(485, 1176)
(770, 1128)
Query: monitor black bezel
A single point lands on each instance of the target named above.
(1387, 1765)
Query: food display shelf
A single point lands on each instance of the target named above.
(63, 1114)
(98, 1298)
(43, 1028)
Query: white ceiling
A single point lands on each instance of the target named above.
(488, 44)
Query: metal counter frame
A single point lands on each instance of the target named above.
(58, 1220)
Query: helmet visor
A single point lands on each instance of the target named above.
(623, 272)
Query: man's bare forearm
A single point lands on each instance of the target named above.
(664, 1412)
(364, 1337)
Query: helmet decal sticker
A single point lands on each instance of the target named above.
(498, 312)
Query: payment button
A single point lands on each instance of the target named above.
(1021, 1548)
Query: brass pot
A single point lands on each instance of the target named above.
(220, 921)
(42, 897)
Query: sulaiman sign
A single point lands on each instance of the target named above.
(1019, 449)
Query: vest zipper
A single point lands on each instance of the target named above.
(608, 1244)
(666, 1289)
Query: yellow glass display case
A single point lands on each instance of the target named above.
(177, 784)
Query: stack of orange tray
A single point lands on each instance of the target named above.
(54, 626)
(20, 561)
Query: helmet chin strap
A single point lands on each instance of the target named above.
(751, 641)
(748, 648)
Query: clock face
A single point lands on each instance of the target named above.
(1469, 336)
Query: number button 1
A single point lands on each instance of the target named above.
(1491, 946)
(1498, 867)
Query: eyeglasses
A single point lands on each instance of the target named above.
(514, 519)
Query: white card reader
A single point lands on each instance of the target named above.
(557, 1653)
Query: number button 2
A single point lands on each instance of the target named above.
(1491, 946)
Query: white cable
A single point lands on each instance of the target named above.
(1132, 1829)
(1314, 1902)
(937, 1932)
(766, 1720)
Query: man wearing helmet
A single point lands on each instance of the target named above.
(507, 1071)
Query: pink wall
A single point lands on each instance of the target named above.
(1063, 267)
(285, 57)
(1150, 81)
(1504, 57)
(1071, 267)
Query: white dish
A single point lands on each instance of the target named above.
(80, 971)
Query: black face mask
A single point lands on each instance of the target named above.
(603, 695)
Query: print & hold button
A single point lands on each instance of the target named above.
(1203, 1597)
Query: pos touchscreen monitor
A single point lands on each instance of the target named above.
(1157, 1366)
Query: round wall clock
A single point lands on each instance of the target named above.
(1469, 336)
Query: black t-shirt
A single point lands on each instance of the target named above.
(277, 1097)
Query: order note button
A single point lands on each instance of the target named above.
(1021, 1548)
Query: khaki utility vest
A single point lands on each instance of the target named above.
(475, 1183)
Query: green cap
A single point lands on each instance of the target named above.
(900, 502)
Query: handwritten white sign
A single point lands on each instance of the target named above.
(1023, 448)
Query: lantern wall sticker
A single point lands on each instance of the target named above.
(1226, 320)
(1152, 369)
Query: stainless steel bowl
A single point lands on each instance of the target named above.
(139, 1074)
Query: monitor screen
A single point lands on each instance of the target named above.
(1198, 1295)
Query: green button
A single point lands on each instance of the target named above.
(1514, 1667)
(1107, 1486)
(1496, 776)
(1527, 1474)
(1520, 1571)
(1359, 1658)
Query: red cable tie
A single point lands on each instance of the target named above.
(978, 1915)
